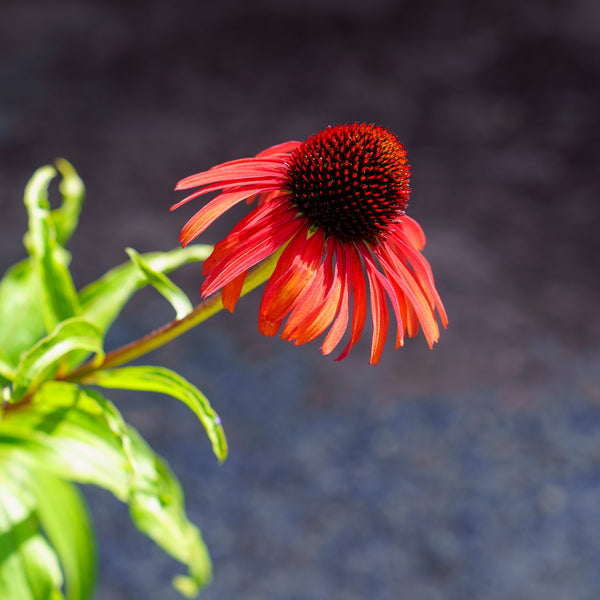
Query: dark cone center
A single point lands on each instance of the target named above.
(352, 181)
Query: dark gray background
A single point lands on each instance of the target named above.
(469, 471)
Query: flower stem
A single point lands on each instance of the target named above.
(159, 337)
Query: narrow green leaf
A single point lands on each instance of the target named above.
(103, 300)
(64, 517)
(72, 190)
(175, 295)
(65, 430)
(43, 358)
(29, 568)
(21, 319)
(162, 518)
(78, 435)
(59, 296)
(165, 381)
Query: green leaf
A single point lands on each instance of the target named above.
(60, 511)
(65, 429)
(72, 189)
(103, 300)
(80, 436)
(21, 319)
(29, 568)
(175, 295)
(165, 381)
(64, 518)
(41, 361)
(59, 296)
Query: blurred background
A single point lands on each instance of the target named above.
(469, 471)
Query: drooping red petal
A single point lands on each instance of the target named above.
(404, 278)
(227, 173)
(295, 270)
(422, 271)
(379, 313)
(359, 297)
(262, 218)
(391, 292)
(308, 301)
(317, 320)
(211, 212)
(413, 231)
(231, 291)
(239, 184)
(284, 148)
(248, 253)
(409, 317)
(340, 324)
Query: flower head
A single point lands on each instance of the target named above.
(331, 209)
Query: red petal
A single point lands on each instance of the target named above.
(388, 287)
(210, 213)
(309, 300)
(232, 290)
(236, 169)
(341, 321)
(359, 297)
(422, 270)
(296, 268)
(379, 312)
(403, 277)
(286, 148)
(413, 231)
(262, 218)
(317, 321)
(248, 253)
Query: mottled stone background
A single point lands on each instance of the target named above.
(469, 471)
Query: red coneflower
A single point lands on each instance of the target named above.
(333, 206)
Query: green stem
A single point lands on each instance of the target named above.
(159, 337)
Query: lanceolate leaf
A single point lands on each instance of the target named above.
(175, 295)
(80, 436)
(21, 319)
(58, 509)
(65, 429)
(49, 258)
(165, 381)
(103, 300)
(65, 520)
(29, 568)
(70, 335)
(66, 217)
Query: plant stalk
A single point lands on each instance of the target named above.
(159, 337)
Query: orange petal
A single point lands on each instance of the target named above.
(261, 219)
(232, 290)
(379, 312)
(310, 300)
(317, 321)
(413, 231)
(402, 276)
(391, 292)
(359, 297)
(423, 274)
(250, 252)
(210, 213)
(295, 270)
(236, 169)
(284, 148)
(340, 324)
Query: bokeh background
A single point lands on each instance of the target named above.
(469, 471)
